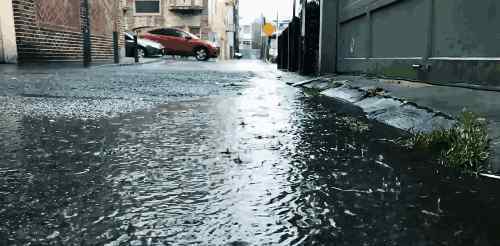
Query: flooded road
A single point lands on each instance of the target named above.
(217, 154)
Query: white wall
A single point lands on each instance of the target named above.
(230, 30)
(8, 47)
(1, 42)
(217, 23)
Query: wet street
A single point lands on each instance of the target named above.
(216, 153)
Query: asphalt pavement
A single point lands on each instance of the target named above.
(181, 152)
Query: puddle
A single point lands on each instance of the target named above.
(259, 165)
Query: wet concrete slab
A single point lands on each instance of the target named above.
(415, 107)
(345, 93)
(411, 118)
(373, 104)
(449, 100)
(391, 111)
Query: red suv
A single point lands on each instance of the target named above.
(177, 42)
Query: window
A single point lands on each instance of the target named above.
(147, 6)
(158, 32)
(195, 30)
(179, 34)
(187, 3)
(168, 32)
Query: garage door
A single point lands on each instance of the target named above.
(438, 40)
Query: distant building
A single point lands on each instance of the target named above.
(211, 20)
(257, 33)
(281, 25)
(188, 15)
(246, 35)
(222, 16)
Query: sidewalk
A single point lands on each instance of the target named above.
(43, 67)
(127, 61)
(448, 100)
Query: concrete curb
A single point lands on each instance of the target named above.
(447, 84)
(309, 81)
(130, 64)
(341, 90)
(491, 176)
(382, 108)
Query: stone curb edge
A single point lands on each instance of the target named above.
(302, 84)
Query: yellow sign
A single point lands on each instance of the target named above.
(269, 29)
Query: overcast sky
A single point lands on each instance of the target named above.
(252, 9)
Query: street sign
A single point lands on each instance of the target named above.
(269, 29)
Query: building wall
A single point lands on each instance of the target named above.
(429, 40)
(51, 30)
(205, 23)
(230, 29)
(221, 22)
(214, 22)
(187, 21)
(8, 48)
(328, 37)
(2, 58)
(105, 19)
(257, 34)
(246, 33)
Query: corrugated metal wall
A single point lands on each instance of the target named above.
(438, 40)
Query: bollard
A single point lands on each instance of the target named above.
(136, 53)
(116, 48)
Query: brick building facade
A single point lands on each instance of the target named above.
(212, 20)
(188, 15)
(53, 30)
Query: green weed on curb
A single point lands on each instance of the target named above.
(465, 146)
(312, 92)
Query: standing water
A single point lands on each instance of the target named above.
(259, 165)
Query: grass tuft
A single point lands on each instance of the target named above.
(312, 92)
(465, 146)
(373, 92)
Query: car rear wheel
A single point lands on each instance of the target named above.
(201, 54)
(141, 53)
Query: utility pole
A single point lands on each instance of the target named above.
(87, 45)
(136, 49)
(303, 41)
(116, 28)
(236, 26)
(291, 40)
(263, 48)
(303, 30)
(277, 20)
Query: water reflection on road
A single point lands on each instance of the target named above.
(263, 166)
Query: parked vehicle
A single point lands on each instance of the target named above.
(273, 55)
(238, 55)
(178, 42)
(146, 48)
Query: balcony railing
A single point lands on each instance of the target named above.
(186, 5)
